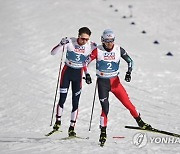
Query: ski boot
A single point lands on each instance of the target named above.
(57, 125)
(71, 132)
(103, 136)
(142, 124)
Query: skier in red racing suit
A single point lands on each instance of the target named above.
(107, 58)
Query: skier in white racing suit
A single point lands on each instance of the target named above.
(77, 50)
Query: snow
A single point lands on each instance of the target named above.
(28, 74)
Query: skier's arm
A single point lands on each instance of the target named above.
(89, 59)
(127, 58)
(56, 49)
(59, 47)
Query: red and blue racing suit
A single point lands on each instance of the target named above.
(107, 70)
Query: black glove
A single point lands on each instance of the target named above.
(128, 76)
(88, 78)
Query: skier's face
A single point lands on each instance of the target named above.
(83, 38)
(109, 44)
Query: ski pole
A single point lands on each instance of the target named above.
(93, 106)
(57, 86)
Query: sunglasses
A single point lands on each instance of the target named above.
(84, 39)
(108, 40)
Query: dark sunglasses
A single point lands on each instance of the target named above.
(108, 40)
(84, 39)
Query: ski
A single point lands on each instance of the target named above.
(154, 130)
(52, 132)
(101, 144)
(118, 137)
(74, 137)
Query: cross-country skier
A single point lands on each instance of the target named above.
(77, 50)
(108, 57)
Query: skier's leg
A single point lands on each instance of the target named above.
(76, 92)
(118, 90)
(103, 93)
(64, 86)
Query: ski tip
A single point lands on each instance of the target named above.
(101, 144)
(118, 137)
(52, 132)
(48, 134)
(128, 126)
(133, 127)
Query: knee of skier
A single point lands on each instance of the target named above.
(105, 105)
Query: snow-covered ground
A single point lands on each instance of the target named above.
(28, 74)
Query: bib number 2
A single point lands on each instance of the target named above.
(109, 66)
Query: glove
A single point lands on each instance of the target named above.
(88, 78)
(128, 76)
(64, 41)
